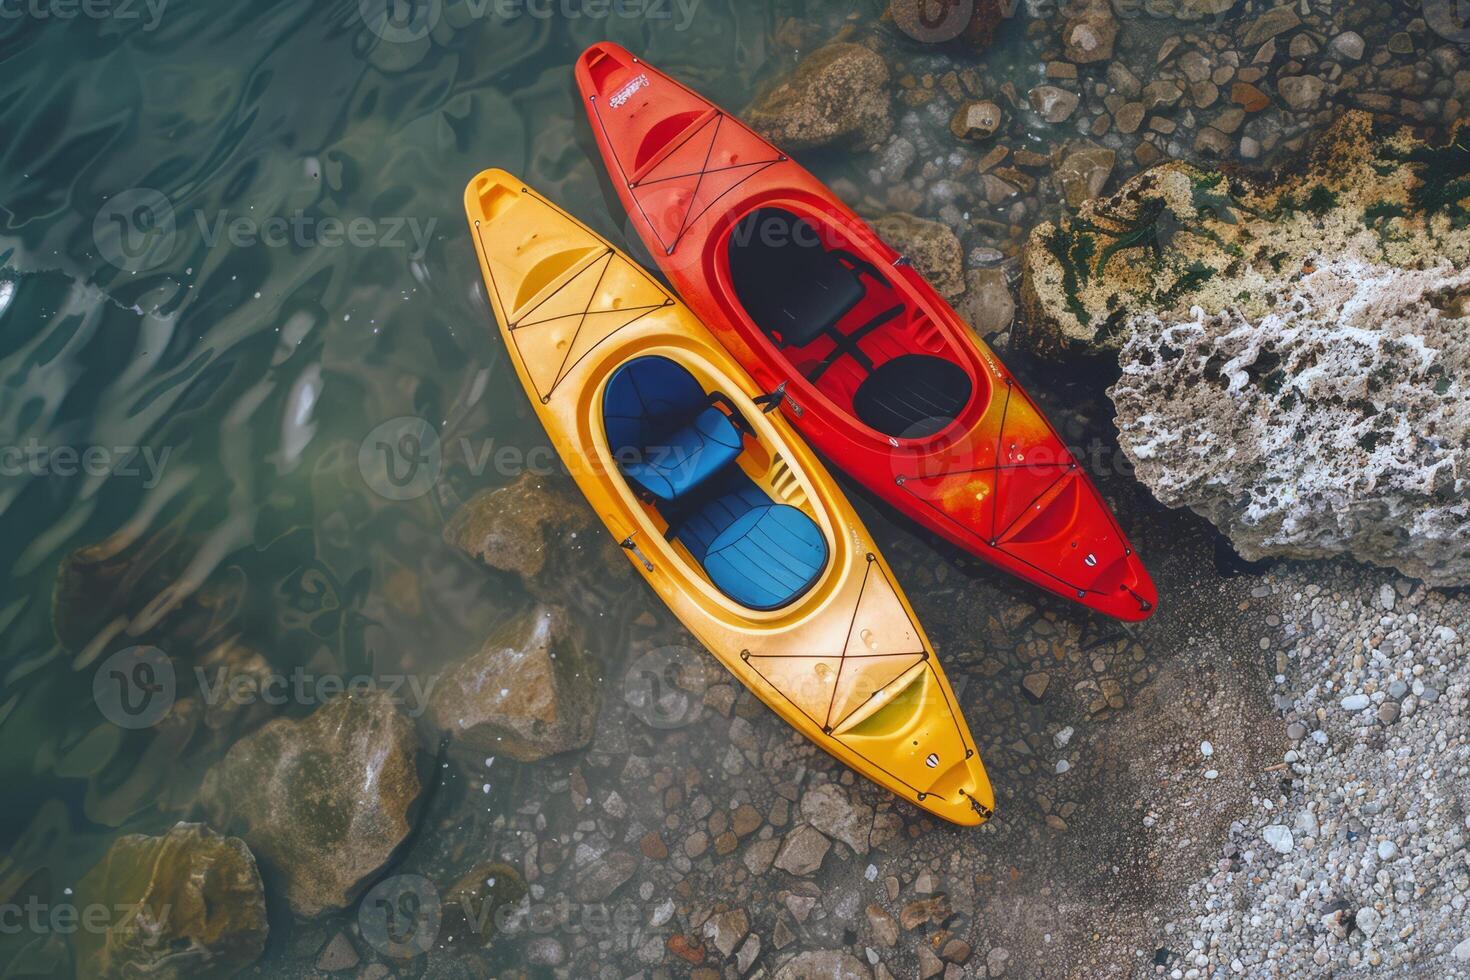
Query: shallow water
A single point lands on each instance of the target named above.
(241, 325)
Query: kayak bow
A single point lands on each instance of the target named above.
(879, 372)
(718, 504)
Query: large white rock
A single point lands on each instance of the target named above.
(1338, 423)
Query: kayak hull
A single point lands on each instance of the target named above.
(844, 660)
(991, 476)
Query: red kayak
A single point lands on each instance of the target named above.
(870, 364)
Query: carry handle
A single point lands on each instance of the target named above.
(769, 403)
(628, 544)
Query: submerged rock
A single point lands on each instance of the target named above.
(976, 120)
(325, 801)
(826, 964)
(479, 902)
(1194, 9)
(185, 906)
(838, 94)
(934, 249)
(1338, 423)
(829, 809)
(537, 528)
(529, 693)
(1089, 31)
(988, 306)
(1084, 171)
(1176, 237)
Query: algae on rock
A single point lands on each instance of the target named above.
(1177, 237)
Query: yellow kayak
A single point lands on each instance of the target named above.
(718, 504)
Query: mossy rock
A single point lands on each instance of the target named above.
(1176, 237)
(185, 906)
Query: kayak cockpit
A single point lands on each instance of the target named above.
(689, 456)
(844, 326)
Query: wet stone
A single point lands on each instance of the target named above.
(802, 852)
(976, 121)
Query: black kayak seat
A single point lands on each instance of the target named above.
(682, 454)
(792, 286)
(913, 396)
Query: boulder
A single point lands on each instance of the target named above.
(538, 528)
(324, 801)
(530, 692)
(185, 906)
(837, 95)
(1176, 237)
(934, 250)
(1337, 424)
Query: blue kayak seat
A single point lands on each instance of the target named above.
(682, 452)
(768, 558)
(667, 437)
(687, 457)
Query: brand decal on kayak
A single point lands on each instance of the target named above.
(621, 96)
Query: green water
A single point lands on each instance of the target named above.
(234, 264)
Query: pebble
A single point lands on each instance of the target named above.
(1063, 737)
(1348, 46)
(1054, 104)
(1355, 702)
(1206, 749)
(1279, 838)
(1387, 850)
